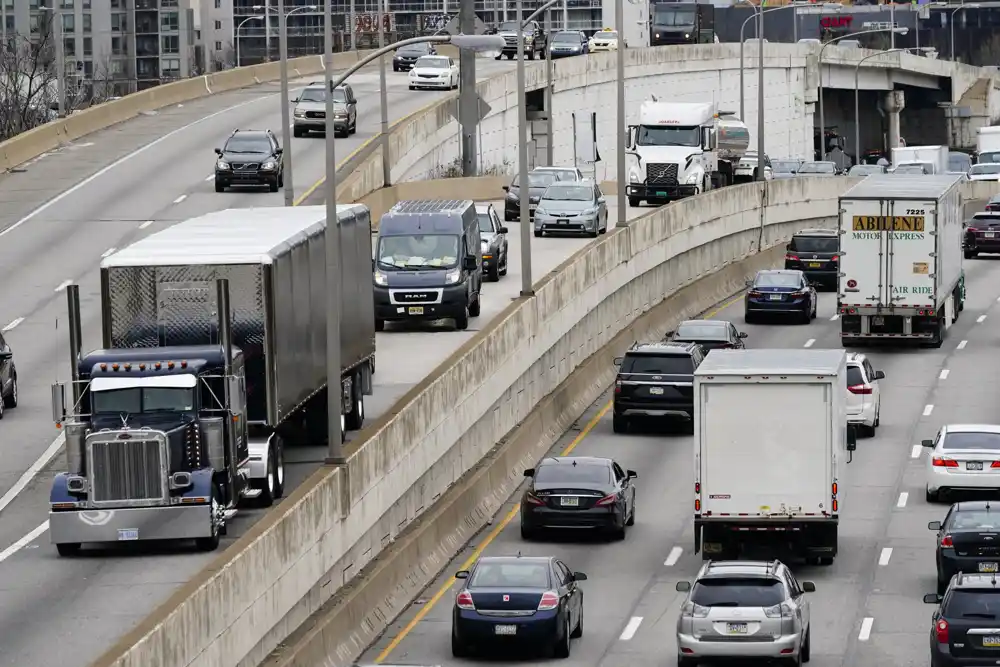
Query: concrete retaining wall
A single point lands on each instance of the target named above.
(338, 521)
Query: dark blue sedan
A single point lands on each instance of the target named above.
(515, 601)
(780, 292)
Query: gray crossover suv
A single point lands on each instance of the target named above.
(310, 110)
(744, 609)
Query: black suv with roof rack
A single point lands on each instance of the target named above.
(250, 157)
(655, 380)
(964, 626)
(816, 253)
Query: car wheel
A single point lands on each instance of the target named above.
(942, 585)
(211, 543)
(273, 185)
(476, 307)
(462, 320)
(806, 646)
(493, 274)
(684, 661)
(413, 87)
(68, 549)
(619, 424)
(539, 233)
(579, 624)
(458, 649)
(219, 187)
(527, 534)
(618, 532)
(11, 400)
(1, 409)
(379, 325)
(562, 649)
(503, 269)
(749, 318)
(878, 414)
(932, 496)
(631, 516)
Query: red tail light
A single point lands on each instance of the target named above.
(464, 600)
(946, 541)
(941, 630)
(835, 258)
(755, 294)
(941, 462)
(792, 258)
(606, 500)
(995, 464)
(971, 229)
(550, 600)
(533, 499)
(618, 386)
(859, 389)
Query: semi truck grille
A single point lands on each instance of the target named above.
(125, 470)
(661, 174)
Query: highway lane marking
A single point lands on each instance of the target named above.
(63, 285)
(180, 199)
(809, 343)
(928, 409)
(23, 542)
(145, 224)
(903, 497)
(835, 318)
(493, 534)
(675, 555)
(979, 320)
(211, 177)
(943, 375)
(13, 323)
(29, 474)
(139, 151)
(884, 557)
(866, 629)
(915, 452)
(630, 628)
(107, 253)
(961, 346)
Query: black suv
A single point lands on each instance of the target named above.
(964, 626)
(8, 377)
(982, 234)
(656, 380)
(968, 540)
(816, 253)
(250, 157)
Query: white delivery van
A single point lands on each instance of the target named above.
(771, 440)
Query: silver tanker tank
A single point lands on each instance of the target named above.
(733, 138)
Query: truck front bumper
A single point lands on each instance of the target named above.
(660, 191)
(178, 522)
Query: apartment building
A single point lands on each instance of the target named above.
(117, 46)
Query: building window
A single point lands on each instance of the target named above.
(69, 47)
(117, 67)
(87, 22)
(169, 21)
(168, 3)
(32, 4)
(218, 46)
(88, 69)
(66, 4)
(88, 46)
(68, 23)
(86, 4)
(218, 25)
(117, 46)
(119, 23)
(218, 4)
(33, 23)
(10, 22)
(171, 67)
(170, 44)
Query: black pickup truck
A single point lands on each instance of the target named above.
(534, 40)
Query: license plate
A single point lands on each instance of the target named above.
(774, 297)
(505, 630)
(415, 310)
(656, 391)
(988, 235)
(988, 567)
(878, 321)
(814, 265)
(736, 628)
(569, 501)
(562, 221)
(128, 534)
(991, 641)
(661, 194)
(973, 465)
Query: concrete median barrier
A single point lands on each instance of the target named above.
(339, 521)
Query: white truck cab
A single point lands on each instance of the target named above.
(680, 149)
(930, 159)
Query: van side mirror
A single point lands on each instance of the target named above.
(682, 586)
(579, 576)
(743, 334)
(529, 472)
(470, 263)
(618, 361)
(933, 598)
(295, 99)
(218, 151)
(506, 188)
(934, 525)
(6, 355)
(631, 474)
(879, 375)
(852, 438)
(927, 443)
(504, 230)
(808, 587)
(462, 574)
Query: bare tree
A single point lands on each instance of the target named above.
(27, 81)
(106, 82)
(222, 59)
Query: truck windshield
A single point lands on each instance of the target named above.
(418, 251)
(661, 135)
(673, 18)
(136, 400)
(991, 157)
(985, 169)
(510, 26)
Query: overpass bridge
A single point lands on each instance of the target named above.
(85, 186)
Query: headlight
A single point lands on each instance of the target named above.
(222, 164)
(511, 196)
(693, 179)
(380, 278)
(540, 211)
(413, 74)
(590, 211)
(453, 276)
(687, 36)
(634, 178)
(299, 113)
(268, 165)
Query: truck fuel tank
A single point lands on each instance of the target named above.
(733, 138)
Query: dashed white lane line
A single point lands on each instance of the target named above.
(961, 346)
(903, 497)
(211, 177)
(107, 253)
(145, 224)
(674, 556)
(13, 323)
(835, 318)
(915, 452)
(630, 628)
(979, 320)
(928, 409)
(809, 343)
(180, 199)
(23, 542)
(63, 285)
(943, 375)
(884, 557)
(866, 629)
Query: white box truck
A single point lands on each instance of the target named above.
(929, 159)
(988, 145)
(771, 439)
(901, 275)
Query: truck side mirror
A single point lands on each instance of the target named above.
(529, 472)
(506, 188)
(632, 132)
(618, 361)
(58, 402)
(852, 438)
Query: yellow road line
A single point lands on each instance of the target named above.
(312, 188)
(499, 528)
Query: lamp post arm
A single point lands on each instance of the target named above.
(538, 12)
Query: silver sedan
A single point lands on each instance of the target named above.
(572, 207)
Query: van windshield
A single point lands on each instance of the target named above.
(418, 251)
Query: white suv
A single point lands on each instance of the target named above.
(744, 609)
(864, 402)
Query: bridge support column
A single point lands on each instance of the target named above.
(894, 105)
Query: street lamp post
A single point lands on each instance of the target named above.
(335, 426)
(236, 34)
(951, 24)
(620, 95)
(819, 60)
(57, 37)
(857, 95)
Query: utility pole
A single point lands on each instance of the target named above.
(468, 98)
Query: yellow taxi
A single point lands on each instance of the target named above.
(603, 40)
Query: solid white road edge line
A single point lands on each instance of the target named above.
(674, 556)
(903, 497)
(107, 253)
(915, 452)
(33, 469)
(884, 557)
(928, 409)
(630, 628)
(961, 346)
(866, 629)
(979, 320)
(145, 224)
(23, 542)
(13, 323)
(944, 374)
(63, 285)
(809, 343)
(835, 318)
(180, 199)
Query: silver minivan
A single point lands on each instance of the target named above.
(744, 609)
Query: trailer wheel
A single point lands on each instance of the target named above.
(273, 485)
(356, 418)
